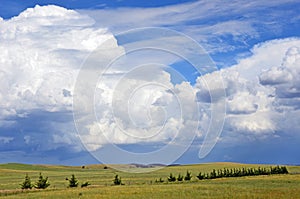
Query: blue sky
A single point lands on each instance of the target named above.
(13, 8)
(61, 104)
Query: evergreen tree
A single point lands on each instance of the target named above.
(213, 174)
(220, 173)
(179, 178)
(284, 170)
(200, 176)
(73, 182)
(42, 182)
(244, 172)
(27, 183)
(171, 178)
(159, 181)
(225, 172)
(117, 180)
(188, 176)
(85, 184)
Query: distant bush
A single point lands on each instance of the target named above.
(42, 182)
(279, 170)
(200, 176)
(117, 180)
(85, 184)
(159, 181)
(27, 183)
(188, 176)
(171, 178)
(179, 178)
(73, 182)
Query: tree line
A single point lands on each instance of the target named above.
(226, 173)
(43, 183)
(240, 172)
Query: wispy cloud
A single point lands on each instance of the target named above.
(212, 23)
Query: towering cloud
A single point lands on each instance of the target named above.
(136, 100)
(41, 53)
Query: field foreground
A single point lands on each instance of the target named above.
(143, 185)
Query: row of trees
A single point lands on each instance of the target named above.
(240, 172)
(234, 172)
(43, 183)
(172, 178)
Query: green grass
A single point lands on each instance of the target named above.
(142, 185)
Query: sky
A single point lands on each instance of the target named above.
(84, 82)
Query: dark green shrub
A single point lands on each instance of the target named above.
(213, 174)
(284, 170)
(42, 182)
(73, 182)
(159, 181)
(117, 180)
(171, 178)
(200, 176)
(179, 178)
(27, 183)
(188, 176)
(85, 184)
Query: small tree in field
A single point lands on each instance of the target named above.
(42, 182)
(284, 170)
(117, 180)
(73, 182)
(200, 176)
(85, 184)
(27, 183)
(188, 176)
(179, 178)
(171, 178)
(160, 180)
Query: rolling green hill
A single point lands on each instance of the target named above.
(140, 182)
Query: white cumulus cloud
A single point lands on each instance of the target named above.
(41, 54)
(262, 91)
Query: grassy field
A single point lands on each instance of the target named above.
(142, 185)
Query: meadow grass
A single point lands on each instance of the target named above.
(142, 185)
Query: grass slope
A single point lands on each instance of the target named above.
(142, 185)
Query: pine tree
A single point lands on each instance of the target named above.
(188, 176)
(284, 170)
(200, 176)
(171, 178)
(213, 174)
(220, 173)
(179, 178)
(27, 183)
(42, 182)
(117, 180)
(85, 184)
(73, 182)
(159, 181)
